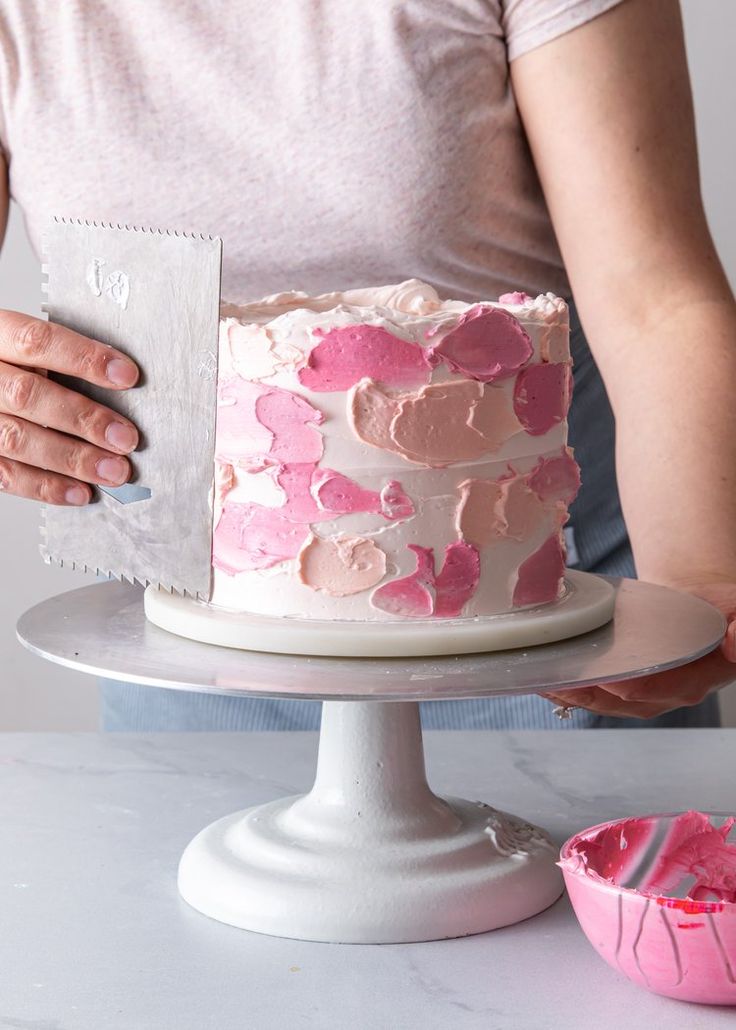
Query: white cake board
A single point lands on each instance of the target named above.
(370, 854)
(586, 604)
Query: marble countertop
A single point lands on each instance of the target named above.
(95, 937)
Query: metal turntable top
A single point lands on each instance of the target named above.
(102, 629)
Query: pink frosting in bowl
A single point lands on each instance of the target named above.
(656, 897)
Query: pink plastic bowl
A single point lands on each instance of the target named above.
(675, 946)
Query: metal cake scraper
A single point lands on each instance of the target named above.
(155, 296)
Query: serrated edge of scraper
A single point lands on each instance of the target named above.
(87, 223)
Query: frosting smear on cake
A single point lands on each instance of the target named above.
(382, 454)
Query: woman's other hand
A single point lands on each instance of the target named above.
(649, 696)
(54, 441)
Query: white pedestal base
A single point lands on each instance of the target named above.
(370, 855)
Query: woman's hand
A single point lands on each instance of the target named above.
(54, 441)
(649, 696)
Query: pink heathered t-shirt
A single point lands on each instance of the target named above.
(331, 143)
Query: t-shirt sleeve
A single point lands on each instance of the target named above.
(530, 23)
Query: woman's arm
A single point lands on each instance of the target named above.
(53, 442)
(608, 113)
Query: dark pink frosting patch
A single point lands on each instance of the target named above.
(347, 354)
(342, 496)
(542, 397)
(457, 581)
(412, 596)
(556, 479)
(251, 536)
(486, 344)
(540, 575)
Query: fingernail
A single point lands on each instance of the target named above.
(121, 372)
(112, 470)
(121, 437)
(76, 495)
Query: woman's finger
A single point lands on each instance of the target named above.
(46, 449)
(38, 485)
(39, 344)
(31, 397)
(600, 701)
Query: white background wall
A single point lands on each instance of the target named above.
(37, 696)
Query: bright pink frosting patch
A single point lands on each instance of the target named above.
(291, 420)
(556, 479)
(339, 495)
(423, 593)
(539, 576)
(342, 565)
(347, 354)
(250, 536)
(457, 581)
(542, 397)
(485, 344)
(514, 298)
(411, 597)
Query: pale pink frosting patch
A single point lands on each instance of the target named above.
(291, 419)
(347, 354)
(485, 344)
(370, 413)
(338, 495)
(519, 510)
(542, 397)
(515, 298)
(431, 427)
(493, 416)
(250, 536)
(457, 581)
(411, 597)
(436, 426)
(554, 343)
(476, 519)
(556, 479)
(250, 351)
(395, 504)
(341, 565)
(239, 431)
(540, 575)
(501, 509)
(224, 482)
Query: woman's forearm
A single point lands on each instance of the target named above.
(674, 397)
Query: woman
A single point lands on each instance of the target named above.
(335, 144)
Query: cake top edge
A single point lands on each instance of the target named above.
(411, 298)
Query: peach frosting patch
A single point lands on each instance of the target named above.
(438, 425)
(340, 566)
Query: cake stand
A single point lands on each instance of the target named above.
(370, 854)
